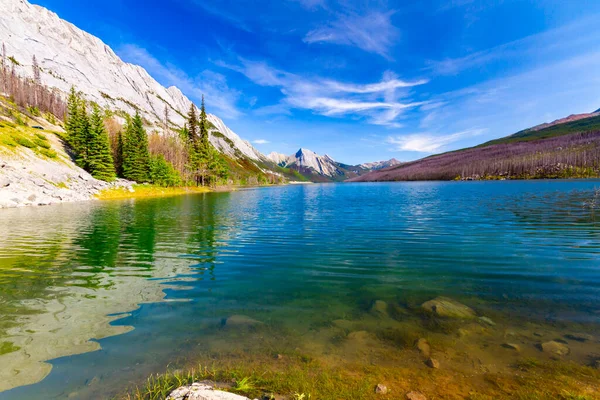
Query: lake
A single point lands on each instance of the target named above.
(96, 296)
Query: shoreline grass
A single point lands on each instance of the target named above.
(148, 191)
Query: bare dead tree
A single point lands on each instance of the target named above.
(166, 120)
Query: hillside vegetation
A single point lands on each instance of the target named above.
(567, 150)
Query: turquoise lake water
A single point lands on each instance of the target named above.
(95, 296)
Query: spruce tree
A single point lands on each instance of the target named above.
(100, 161)
(81, 140)
(136, 156)
(72, 122)
(192, 125)
(203, 127)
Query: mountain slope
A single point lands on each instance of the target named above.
(69, 56)
(563, 149)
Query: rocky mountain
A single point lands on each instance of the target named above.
(69, 56)
(319, 168)
(380, 164)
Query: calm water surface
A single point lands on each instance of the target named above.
(95, 296)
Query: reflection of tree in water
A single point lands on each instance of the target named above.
(204, 223)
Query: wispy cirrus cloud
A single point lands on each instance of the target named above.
(430, 143)
(210, 84)
(373, 32)
(260, 141)
(378, 102)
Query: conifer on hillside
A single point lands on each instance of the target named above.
(99, 159)
(136, 157)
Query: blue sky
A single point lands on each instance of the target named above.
(362, 80)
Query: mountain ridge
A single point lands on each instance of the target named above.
(69, 56)
(566, 148)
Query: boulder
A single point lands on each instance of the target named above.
(381, 389)
(415, 396)
(202, 391)
(556, 348)
(446, 307)
(432, 363)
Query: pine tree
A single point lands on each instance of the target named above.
(136, 156)
(99, 158)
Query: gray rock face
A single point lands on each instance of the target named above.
(201, 391)
(27, 179)
(556, 348)
(446, 307)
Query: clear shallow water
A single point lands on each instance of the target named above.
(110, 292)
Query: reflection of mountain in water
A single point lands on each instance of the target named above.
(87, 262)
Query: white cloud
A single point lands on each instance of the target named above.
(260, 141)
(377, 102)
(210, 84)
(372, 32)
(429, 143)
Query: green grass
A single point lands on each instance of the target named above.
(8, 347)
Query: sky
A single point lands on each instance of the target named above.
(362, 80)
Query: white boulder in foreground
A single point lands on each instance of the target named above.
(201, 391)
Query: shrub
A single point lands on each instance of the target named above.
(50, 118)
(23, 141)
(34, 111)
(162, 172)
(41, 143)
(48, 153)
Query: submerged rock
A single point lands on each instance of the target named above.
(379, 309)
(415, 396)
(432, 363)
(201, 391)
(555, 347)
(446, 307)
(240, 321)
(424, 348)
(381, 389)
(580, 337)
(486, 321)
(511, 346)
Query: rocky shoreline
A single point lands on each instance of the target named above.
(33, 181)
